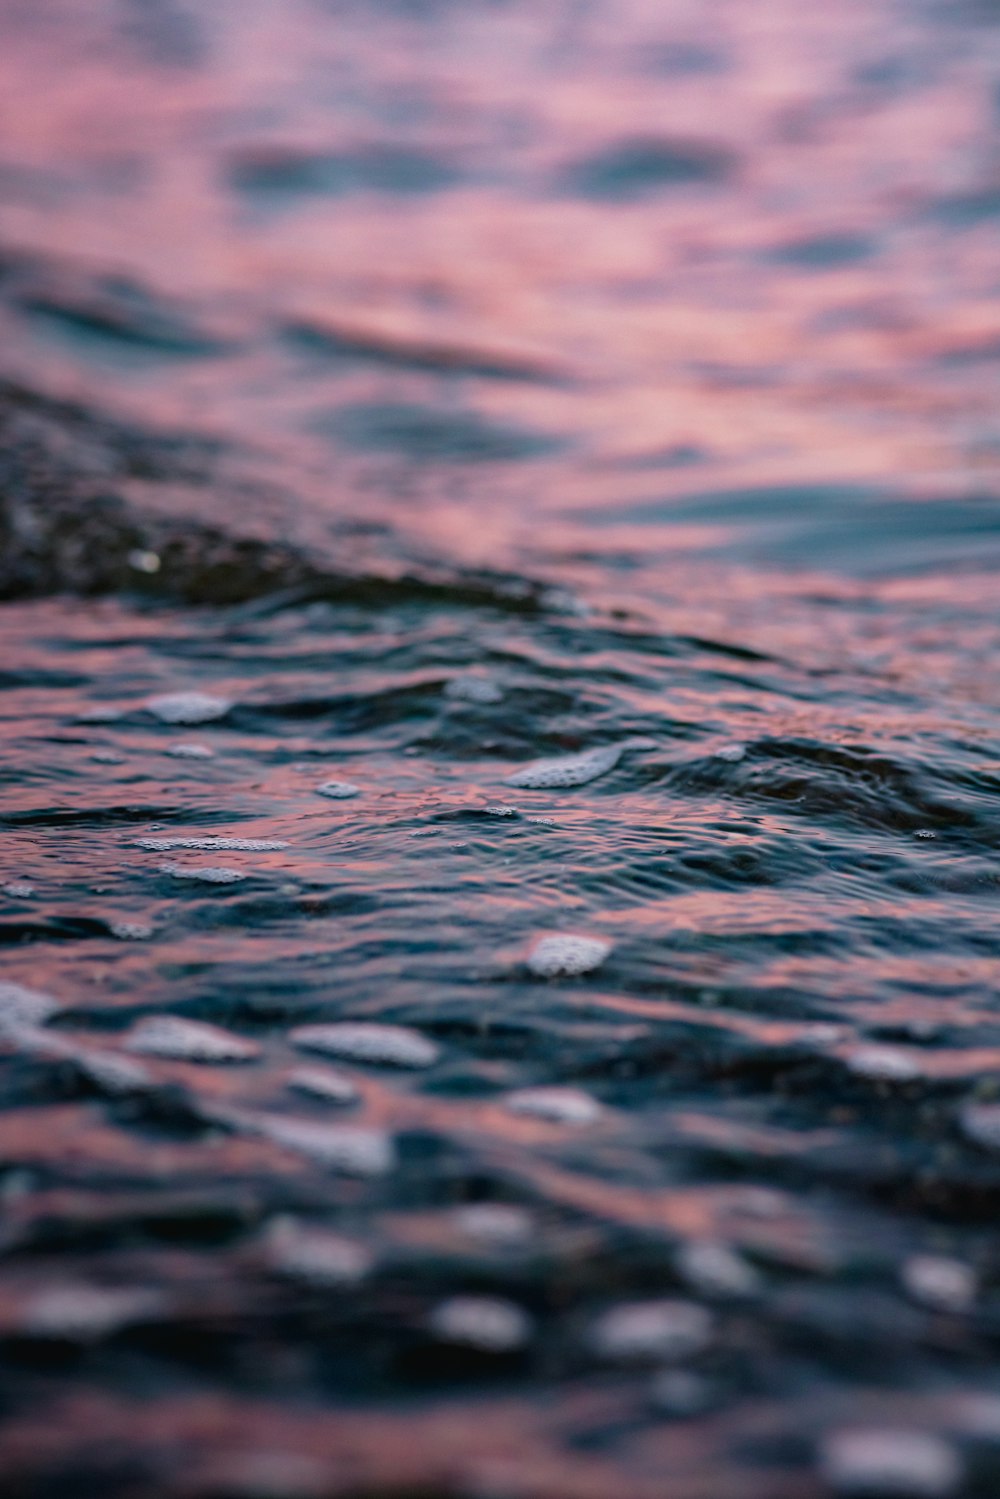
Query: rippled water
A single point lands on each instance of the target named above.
(500, 778)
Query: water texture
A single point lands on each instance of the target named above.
(500, 771)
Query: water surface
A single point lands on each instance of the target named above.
(438, 389)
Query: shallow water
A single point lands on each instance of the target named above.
(436, 390)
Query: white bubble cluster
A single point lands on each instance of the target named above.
(86, 1313)
(731, 752)
(882, 1064)
(499, 1223)
(188, 1040)
(130, 931)
(485, 1323)
(886, 1464)
(472, 688)
(113, 1074)
(980, 1123)
(567, 770)
(557, 1105)
(716, 1270)
(641, 1331)
(316, 1255)
(352, 1149)
(338, 791)
(188, 751)
(325, 1083)
(392, 1045)
(21, 1006)
(566, 954)
(188, 707)
(207, 874)
(945, 1284)
(207, 844)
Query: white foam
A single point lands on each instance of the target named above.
(947, 1285)
(882, 1064)
(208, 874)
(566, 953)
(567, 770)
(325, 1083)
(393, 1045)
(20, 1006)
(486, 1323)
(188, 1040)
(19, 890)
(338, 791)
(207, 844)
(558, 1105)
(981, 1123)
(191, 751)
(130, 931)
(639, 1331)
(499, 1223)
(86, 1313)
(107, 757)
(887, 1464)
(188, 707)
(316, 1255)
(112, 1073)
(473, 688)
(716, 1270)
(349, 1148)
(730, 752)
(501, 811)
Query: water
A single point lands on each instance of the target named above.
(499, 515)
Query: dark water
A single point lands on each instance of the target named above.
(434, 390)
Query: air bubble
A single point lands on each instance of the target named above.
(191, 751)
(472, 688)
(188, 1041)
(325, 1083)
(557, 1105)
(890, 1464)
(114, 1075)
(393, 1045)
(208, 874)
(84, 1313)
(20, 1006)
(882, 1064)
(980, 1123)
(640, 1331)
(566, 954)
(315, 1255)
(945, 1284)
(130, 931)
(499, 1223)
(338, 791)
(567, 770)
(485, 1323)
(208, 845)
(343, 1147)
(188, 707)
(716, 1270)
